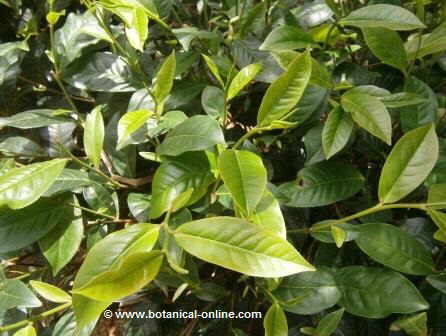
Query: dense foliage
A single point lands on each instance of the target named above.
(286, 157)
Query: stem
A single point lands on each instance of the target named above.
(253, 131)
(35, 318)
(92, 211)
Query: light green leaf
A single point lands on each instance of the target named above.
(402, 99)
(339, 235)
(20, 187)
(437, 196)
(287, 38)
(336, 132)
(431, 43)
(26, 331)
(387, 45)
(409, 163)
(395, 248)
(329, 323)
(243, 77)
(94, 135)
(240, 246)
(50, 292)
(369, 113)
(129, 124)
(34, 119)
(286, 91)
(245, 176)
(138, 29)
(268, 215)
(194, 134)
(308, 292)
(164, 79)
(377, 292)
(128, 276)
(384, 16)
(14, 294)
(415, 325)
(176, 176)
(439, 219)
(275, 322)
(61, 244)
(214, 69)
(321, 184)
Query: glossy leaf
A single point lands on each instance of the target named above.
(377, 292)
(129, 124)
(275, 322)
(395, 248)
(369, 113)
(213, 101)
(50, 292)
(194, 134)
(26, 331)
(437, 196)
(164, 79)
(408, 164)
(384, 16)
(308, 292)
(243, 78)
(240, 246)
(245, 177)
(387, 46)
(286, 91)
(14, 293)
(336, 132)
(214, 69)
(339, 235)
(35, 119)
(287, 37)
(268, 214)
(94, 136)
(321, 184)
(138, 29)
(437, 281)
(415, 325)
(329, 323)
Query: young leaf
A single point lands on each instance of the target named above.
(243, 77)
(26, 331)
(369, 113)
(329, 323)
(94, 135)
(437, 196)
(286, 91)
(245, 176)
(138, 28)
(336, 132)
(415, 325)
(20, 187)
(213, 101)
(308, 292)
(194, 134)
(164, 79)
(395, 248)
(268, 215)
(384, 16)
(240, 246)
(287, 38)
(50, 292)
(214, 69)
(409, 163)
(339, 235)
(370, 292)
(129, 124)
(439, 218)
(387, 45)
(275, 322)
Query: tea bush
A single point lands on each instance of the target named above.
(282, 157)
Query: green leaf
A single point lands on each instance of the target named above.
(384, 16)
(437, 196)
(308, 292)
(61, 244)
(138, 29)
(387, 45)
(164, 79)
(409, 163)
(337, 131)
(268, 215)
(245, 176)
(402, 99)
(431, 43)
(34, 119)
(20, 228)
(123, 279)
(14, 294)
(129, 124)
(194, 134)
(94, 135)
(415, 325)
(376, 292)
(240, 246)
(26, 331)
(439, 218)
(275, 322)
(395, 248)
(287, 38)
(329, 323)
(339, 235)
(369, 113)
(177, 175)
(213, 101)
(321, 184)
(87, 312)
(438, 281)
(214, 69)
(286, 91)
(243, 78)
(50, 292)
